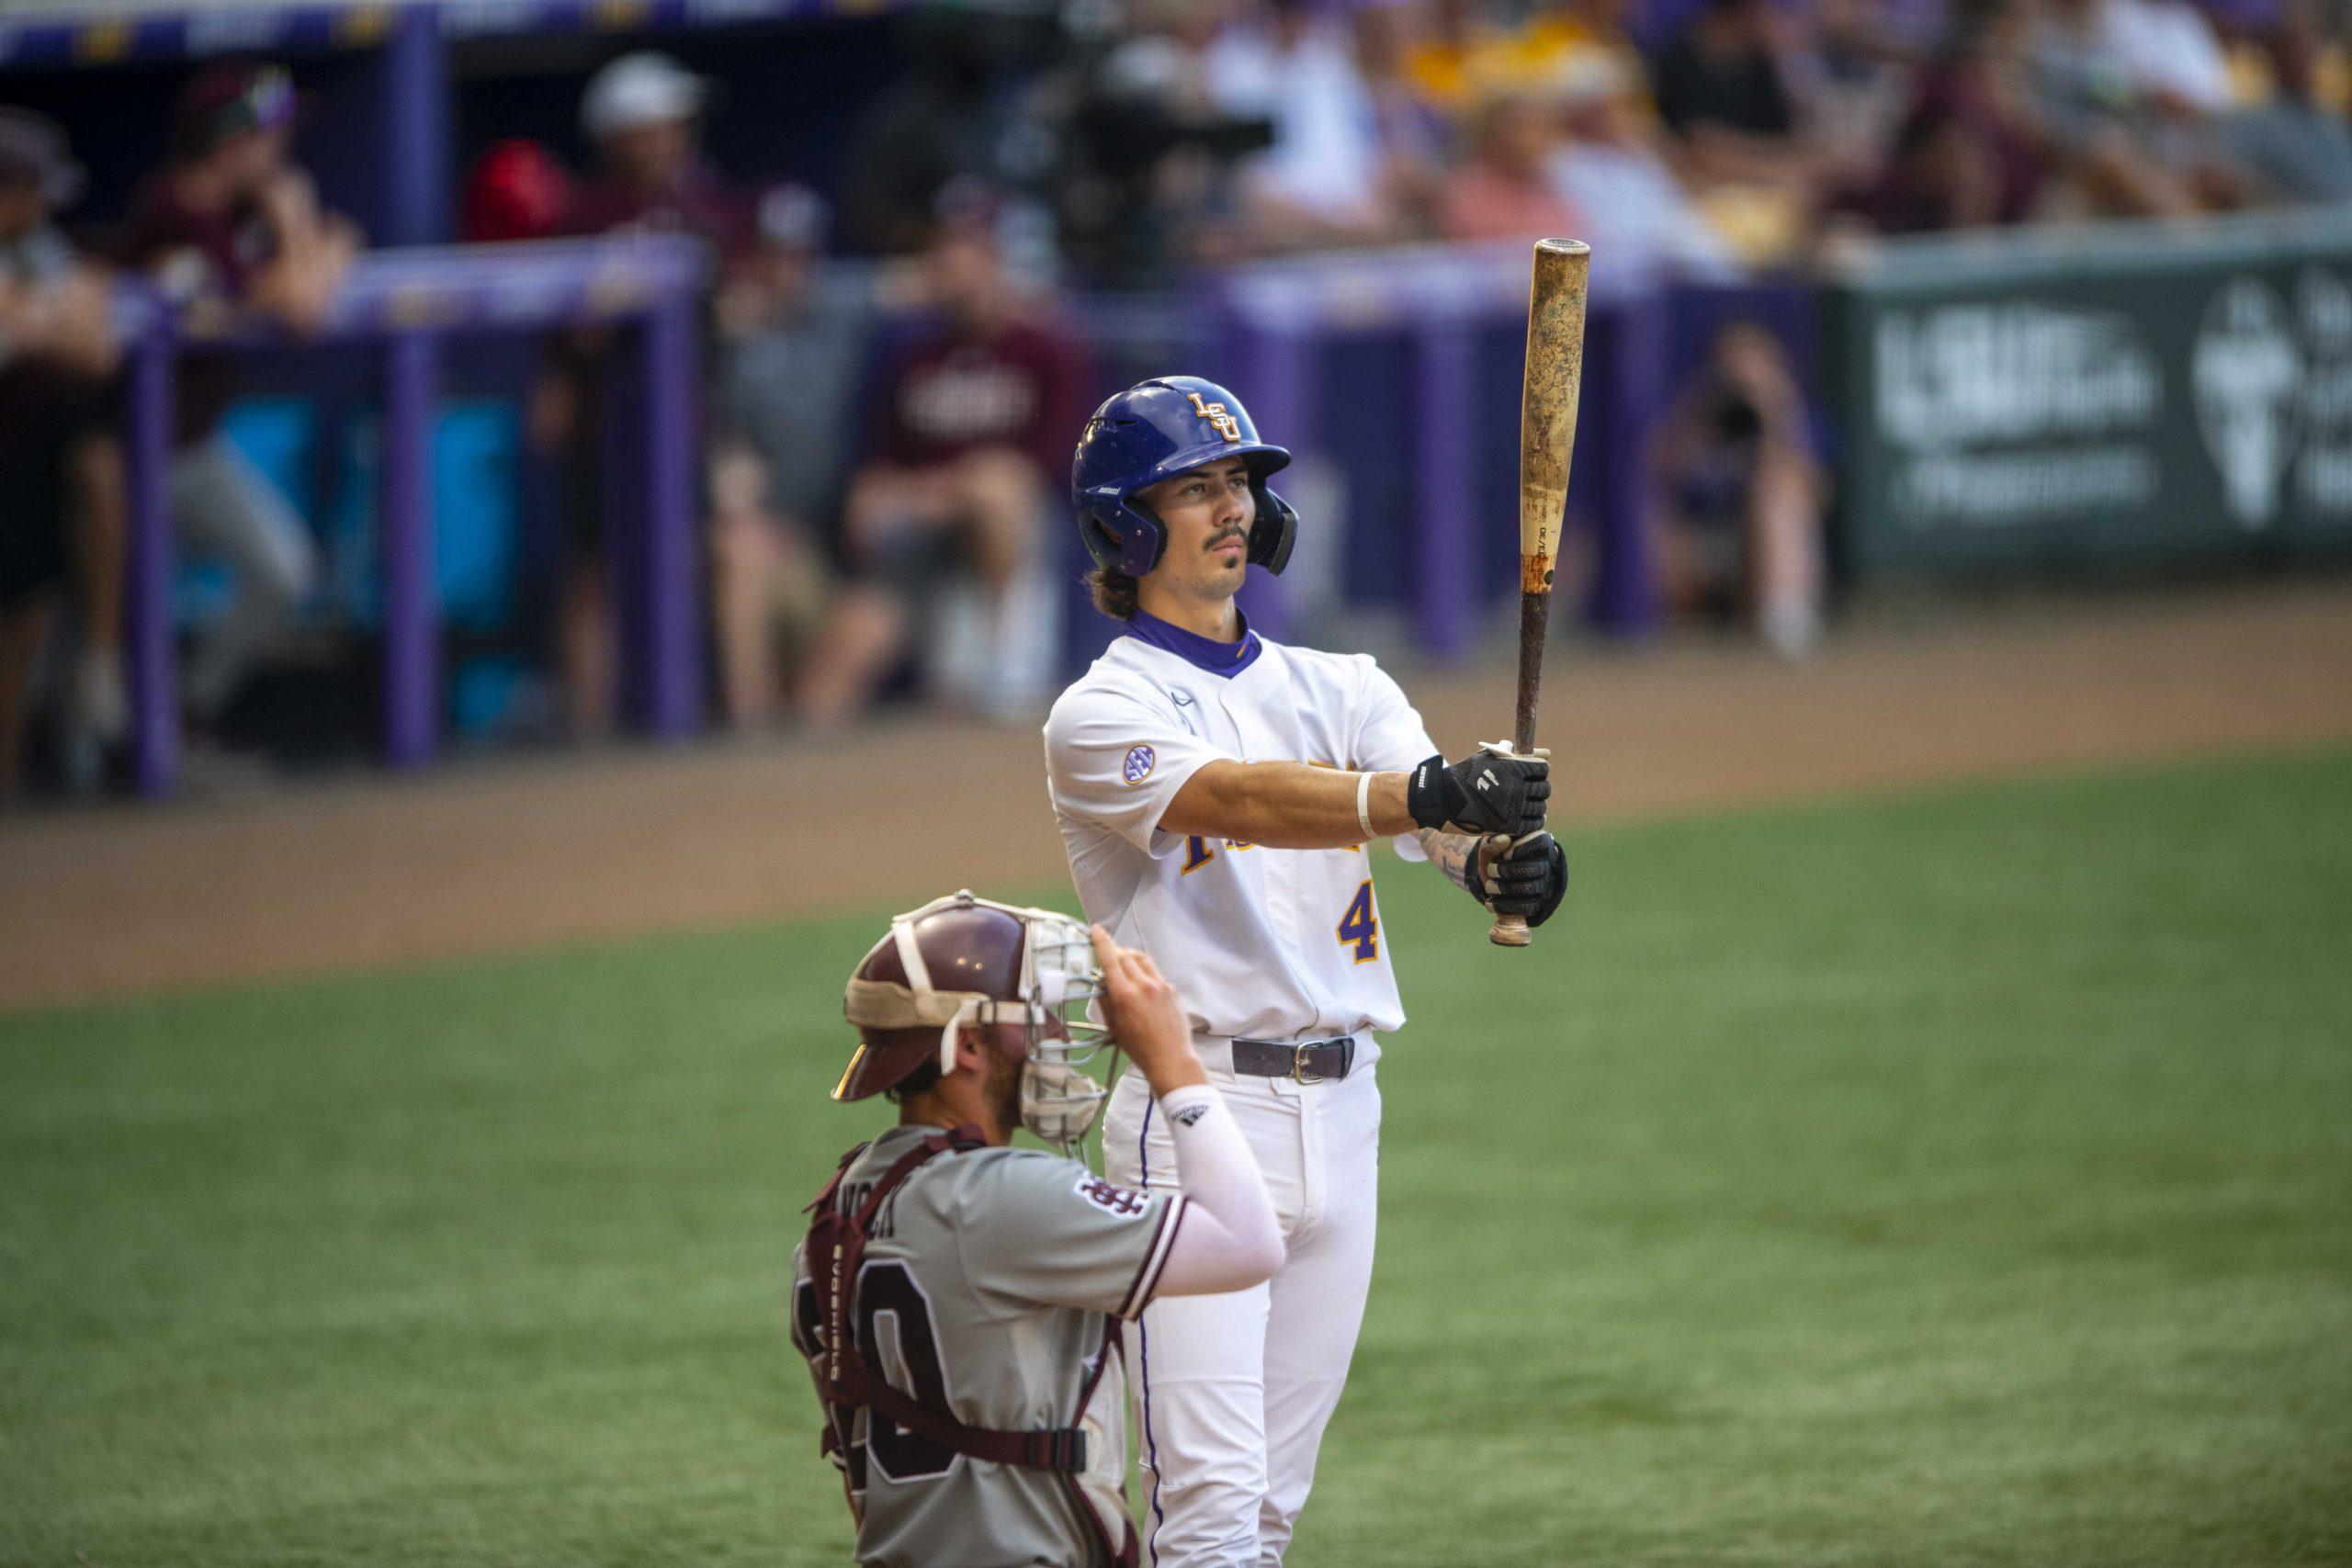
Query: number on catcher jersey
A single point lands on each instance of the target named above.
(987, 1281)
(899, 1340)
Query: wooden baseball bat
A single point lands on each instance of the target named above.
(1547, 434)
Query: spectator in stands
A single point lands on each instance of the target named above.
(963, 110)
(1560, 40)
(1723, 90)
(792, 345)
(2123, 155)
(516, 190)
(1641, 225)
(1464, 59)
(62, 514)
(1942, 174)
(2169, 55)
(643, 114)
(1918, 30)
(1444, 62)
(231, 224)
(1742, 496)
(969, 433)
(2297, 150)
(1856, 86)
(1975, 119)
(1506, 190)
(1327, 180)
(1147, 191)
(1412, 136)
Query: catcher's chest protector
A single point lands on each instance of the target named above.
(847, 1383)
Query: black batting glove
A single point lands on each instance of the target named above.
(1486, 792)
(1528, 880)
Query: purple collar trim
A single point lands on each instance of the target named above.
(1202, 653)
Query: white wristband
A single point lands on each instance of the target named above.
(1363, 806)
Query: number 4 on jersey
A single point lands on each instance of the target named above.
(1360, 925)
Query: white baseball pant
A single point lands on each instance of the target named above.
(1232, 1393)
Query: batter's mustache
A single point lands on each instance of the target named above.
(1224, 536)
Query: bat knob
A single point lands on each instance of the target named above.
(1510, 931)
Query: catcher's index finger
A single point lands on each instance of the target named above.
(1119, 964)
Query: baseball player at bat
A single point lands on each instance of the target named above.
(1216, 791)
(958, 1301)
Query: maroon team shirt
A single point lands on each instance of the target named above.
(699, 205)
(947, 394)
(198, 254)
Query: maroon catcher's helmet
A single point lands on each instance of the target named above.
(964, 960)
(917, 981)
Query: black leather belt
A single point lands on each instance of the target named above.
(1303, 1061)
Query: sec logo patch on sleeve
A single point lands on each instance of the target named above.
(1140, 760)
(1112, 1200)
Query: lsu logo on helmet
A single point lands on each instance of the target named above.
(1220, 421)
(1154, 431)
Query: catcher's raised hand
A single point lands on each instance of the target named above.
(1486, 792)
(1145, 1016)
(1527, 879)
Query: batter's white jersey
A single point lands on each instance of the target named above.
(1274, 944)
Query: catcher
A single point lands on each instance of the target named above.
(958, 1301)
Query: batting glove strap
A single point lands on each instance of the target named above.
(1528, 880)
(1486, 794)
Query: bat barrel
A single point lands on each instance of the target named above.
(1547, 424)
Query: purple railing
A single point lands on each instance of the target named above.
(404, 303)
(1265, 329)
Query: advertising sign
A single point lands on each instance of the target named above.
(2139, 396)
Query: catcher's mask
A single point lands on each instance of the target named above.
(966, 960)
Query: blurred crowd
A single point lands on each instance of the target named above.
(1690, 135)
(882, 441)
(886, 433)
(225, 220)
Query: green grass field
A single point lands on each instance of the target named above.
(1961, 1179)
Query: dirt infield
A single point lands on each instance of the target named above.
(485, 857)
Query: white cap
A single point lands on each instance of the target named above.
(1590, 77)
(644, 88)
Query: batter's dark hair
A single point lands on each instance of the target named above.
(1116, 593)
